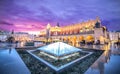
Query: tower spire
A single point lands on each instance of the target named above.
(58, 25)
(48, 26)
(97, 19)
(12, 31)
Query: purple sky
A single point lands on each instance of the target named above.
(33, 15)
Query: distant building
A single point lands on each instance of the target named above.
(22, 36)
(3, 35)
(114, 36)
(91, 30)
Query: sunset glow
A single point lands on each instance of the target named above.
(23, 15)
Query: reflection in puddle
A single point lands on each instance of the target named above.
(107, 62)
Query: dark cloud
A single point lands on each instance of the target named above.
(112, 24)
(5, 23)
(37, 27)
(63, 11)
(9, 9)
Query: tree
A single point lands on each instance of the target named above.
(11, 39)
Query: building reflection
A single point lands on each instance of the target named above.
(10, 50)
(101, 67)
(10, 46)
(104, 58)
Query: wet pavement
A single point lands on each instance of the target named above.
(108, 62)
(11, 63)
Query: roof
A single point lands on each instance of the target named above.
(59, 49)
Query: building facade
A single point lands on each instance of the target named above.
(4, 35)
(114, 36)
(21, 36)
(18, 36)
(90, 31)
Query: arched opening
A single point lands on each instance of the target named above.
(50, 40)
(64, 39)
(90, 39)
(69, 40)
(102, 39)
(74, 41)
(81, 38)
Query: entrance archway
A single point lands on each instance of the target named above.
(102, 39)
(69, 40)
(64, 39)
(89, 38)
(81, 38)
(74, 40)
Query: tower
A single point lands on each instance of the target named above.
(99, 31)
(57, 28)
(48, 31)
(98, 23)
(11, 37)
(12, 32)
(58, 25)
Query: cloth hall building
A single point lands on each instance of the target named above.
(89, 31)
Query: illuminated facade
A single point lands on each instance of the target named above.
(114, 36)
(21, 36)
(3, 35)
(90, 31)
